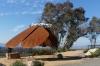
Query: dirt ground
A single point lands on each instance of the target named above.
(50, 60)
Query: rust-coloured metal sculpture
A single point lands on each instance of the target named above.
(34, 36)
(51, 40)
(20, 37)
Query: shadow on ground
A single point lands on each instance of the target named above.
(64, 58)
(2, 64)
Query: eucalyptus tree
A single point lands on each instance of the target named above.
(66, 21)
(93, 30)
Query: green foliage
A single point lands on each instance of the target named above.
(62, 16)
(96, 54)
(37, 52)
(93, 30)
(68, 49)
(43, 52)
(38, 63)
(58, 50)
(17, 63)
(85, 51)
(46, 52)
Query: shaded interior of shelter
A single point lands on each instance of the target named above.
(50, 38)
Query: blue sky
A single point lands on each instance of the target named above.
(17, 15)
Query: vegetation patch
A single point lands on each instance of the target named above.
(38, 63)
(96, 54)
(43, 52)
(18, 63)
(85, 51)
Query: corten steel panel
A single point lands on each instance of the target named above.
(47, 42)
(20, 37)
(36, 38)
(51, 40)
(52, 37)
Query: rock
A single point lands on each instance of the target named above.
(30, 63)
(89, 53)
(60, 56)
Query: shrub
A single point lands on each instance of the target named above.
(68, 49)
(37, 52)
(17, 63)
(38, 63)
(96, 54)
(43, 52)
(85, 51)
(58, 50)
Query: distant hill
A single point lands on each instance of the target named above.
(2, 44)
(79, 47)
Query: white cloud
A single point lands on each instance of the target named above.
(36, 3)
(42, 1)
(14, 1)
(2, 4)
(23, 1)
(16, 12)
(24, 12)
(34, 6)
(17, 28)
(50, 0)
(27, 4)
(11, 1)
(1, 14)
(8, 13)
(36, 12)
(57, 0)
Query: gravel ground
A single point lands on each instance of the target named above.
(87, 62)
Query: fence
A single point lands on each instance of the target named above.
(93, 46)
(27, 51)
(22, 51)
